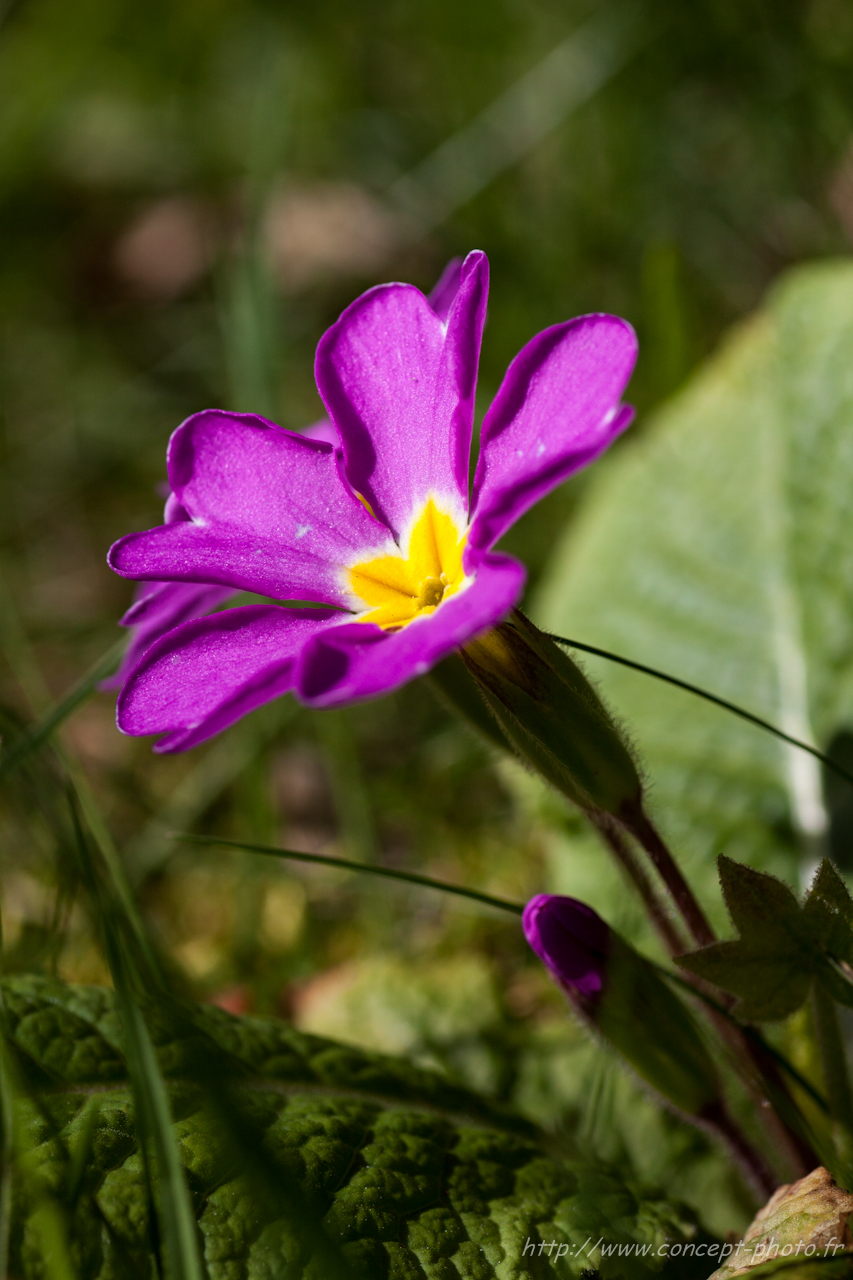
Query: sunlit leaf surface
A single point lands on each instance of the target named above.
(718, 545)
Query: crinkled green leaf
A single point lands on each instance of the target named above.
(717, 544)
(783, 947)
(411, 1176)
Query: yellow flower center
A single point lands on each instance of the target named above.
(399, 588)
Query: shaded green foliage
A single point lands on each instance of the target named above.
(410, 1175)
(784, 947)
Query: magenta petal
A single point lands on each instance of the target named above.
(160, 607)
(174, 511)
(204, 675)
(358, 660)
(557, 410)
(146, 600)
(399, 385)
(156, 602)
(571, 939)
(323, 430)
(269, 512)
(442, 293)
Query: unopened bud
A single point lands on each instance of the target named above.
(622, 996)
(572, 941)
(553, 717)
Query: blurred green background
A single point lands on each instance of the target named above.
(190, 193)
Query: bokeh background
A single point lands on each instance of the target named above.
(190, 192)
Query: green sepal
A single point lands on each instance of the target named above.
(456, 687)
(552, 716)
(654, 1031)
(783, 946)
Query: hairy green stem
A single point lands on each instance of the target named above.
(752, 1163)
(760, 1067)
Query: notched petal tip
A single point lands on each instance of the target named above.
(398, 384)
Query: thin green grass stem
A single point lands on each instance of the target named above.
(347, 864)
(136, 975)
(154, 1119)
(22, 659)
(81, 1153)
(695, 689)
(221, 765)
(7, 1145)
(40, 732)
(19, 652)
(109, 853)
(836, 1077)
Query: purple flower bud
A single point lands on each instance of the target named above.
(571, 940)
(621, 995)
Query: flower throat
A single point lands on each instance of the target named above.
(400, 588)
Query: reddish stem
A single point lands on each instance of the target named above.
(624, 855)
(694, 917)
(752, 1163)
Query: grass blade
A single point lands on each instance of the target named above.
(134, 969)
(699, 692)
(409, 877)
(348, 785)
(7, 1146)
(156, 1133)
(38, 734)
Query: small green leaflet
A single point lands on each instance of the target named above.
(784, 946)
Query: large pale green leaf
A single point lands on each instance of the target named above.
(318, 1161)
(718, 545)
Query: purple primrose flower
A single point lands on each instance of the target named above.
(571, 940)
(159, 606)
(377, 535)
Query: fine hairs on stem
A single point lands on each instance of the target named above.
(613, 837)
(667, 868)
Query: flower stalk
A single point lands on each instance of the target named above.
(643, 829)
(613, 837)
